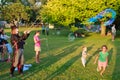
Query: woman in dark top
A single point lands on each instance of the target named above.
(18, 57)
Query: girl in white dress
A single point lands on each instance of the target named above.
(84, 55)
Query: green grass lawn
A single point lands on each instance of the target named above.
(61, 59)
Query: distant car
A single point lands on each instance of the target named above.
(4, 24)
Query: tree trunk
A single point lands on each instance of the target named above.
(103, 30)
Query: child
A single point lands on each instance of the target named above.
(102, 59)
(84, 54)
(7, 46)
(37, 46)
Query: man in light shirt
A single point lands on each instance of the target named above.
(113, 32)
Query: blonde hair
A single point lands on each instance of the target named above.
(84, 48)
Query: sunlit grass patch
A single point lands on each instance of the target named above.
(61, 59)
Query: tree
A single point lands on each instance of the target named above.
(44, 1)
(66, 11)
(5, 2)
(14, 11)
(31, 2)
(35, 6)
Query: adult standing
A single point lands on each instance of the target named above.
(113, 32)
(18, 57)
(47, 29)
(43, 28)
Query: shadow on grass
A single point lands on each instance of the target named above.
(117, 34)
(110, 55)
(48, 61)
(63, 68)
(89, 48)
(116, 71)
(96, 52)
(45, 62)
(4, 67)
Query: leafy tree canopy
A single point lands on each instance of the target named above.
(66, 11)
(15, 11)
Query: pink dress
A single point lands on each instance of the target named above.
(37, 39)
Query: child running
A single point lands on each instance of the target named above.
(84, 55)
(102, 59)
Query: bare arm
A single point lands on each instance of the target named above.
(25, 36)
(43, 39)
(35, 41)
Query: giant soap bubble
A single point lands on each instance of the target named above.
(71, 37)
(102, 14)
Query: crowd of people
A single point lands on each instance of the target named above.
(16, 48)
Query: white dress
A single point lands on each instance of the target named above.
(83, 58)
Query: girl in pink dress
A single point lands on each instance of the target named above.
(37, 46)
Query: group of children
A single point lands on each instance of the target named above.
(102, 58)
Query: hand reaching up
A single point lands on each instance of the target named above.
(27, 32)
